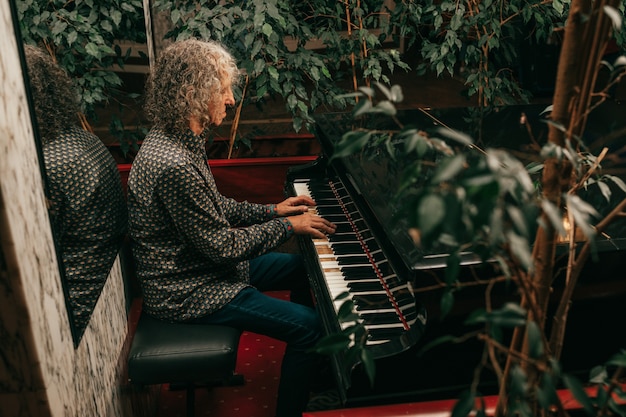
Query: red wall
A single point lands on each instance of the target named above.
(258, 180)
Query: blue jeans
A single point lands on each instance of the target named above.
(294, 322)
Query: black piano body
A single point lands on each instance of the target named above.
(403, 372)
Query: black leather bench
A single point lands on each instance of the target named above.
(179, 354)
(183, 354)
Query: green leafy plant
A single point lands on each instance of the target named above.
(308, 54)
(299, 52)
(461, 198)
(480, 41)
(82, 36)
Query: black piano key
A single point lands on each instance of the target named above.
(352, 259)
(330, 210)
(346, 248)
(409, 314)
(343, 237)
(377, 256)
(371, 286)
(358, 274)
(350, 235)
(338, 220)
(380, 318)
(371, 301)
(392, 280)
(344, 228)
(356, 258)
(315, 185)
(385, 269)
(355, 286)
(354, 271)
(393, 286)
(384, 333)
(359, 259)
(403, 295)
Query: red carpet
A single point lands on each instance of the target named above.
(258, 360)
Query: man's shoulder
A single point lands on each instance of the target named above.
(161, 149)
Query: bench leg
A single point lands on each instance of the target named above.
(191, 400)
(190, 388)
(235, 380)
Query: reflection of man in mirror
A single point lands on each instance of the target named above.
(87, 203)
(202, 257)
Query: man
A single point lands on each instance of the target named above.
(205, 258)
(87, 203)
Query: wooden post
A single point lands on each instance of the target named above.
(158, 24)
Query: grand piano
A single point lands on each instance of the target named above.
(395, 286)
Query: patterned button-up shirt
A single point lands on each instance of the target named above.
(88, 211)
(190, 243)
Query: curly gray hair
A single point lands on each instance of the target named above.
(188, 76)
(54, 97)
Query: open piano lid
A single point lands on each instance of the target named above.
(377, 177)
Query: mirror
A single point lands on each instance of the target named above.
(86, 202)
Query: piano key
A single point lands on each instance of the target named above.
(351, 261)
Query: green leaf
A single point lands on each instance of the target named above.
(446, 302)
(619, 359)
(436, 342)
(598, 375)
(107, 26)
(581, 211)
(601, 396)
(315, 73)
(332, 343)
(350, 143)
(259, 66)
(618, 181)
(615, 16)
(385, 107)
(477, 316)
(431, 211)
(368, 91)
(364, 106)
(605, 190)
(448, 169)
(272, 11)
(577, 389)
(453, 268)
(273, 72)
(384, 90)
(267, 29)
(292, 101)
(517, 217)
(72, 36)
(510, 315)
(555, 217)
(519, 380)
(127, 7)
(369, 364)
(93, 50)
(346, 312)
(546, 392)
(396, 94)
(520, 249)
(116, 16)
(59, 27)
(464, 405)
(456, 135)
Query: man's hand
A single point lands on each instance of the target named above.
(311, 224)
(294, 205)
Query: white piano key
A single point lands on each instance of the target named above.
(335, 280)
(328, 264)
